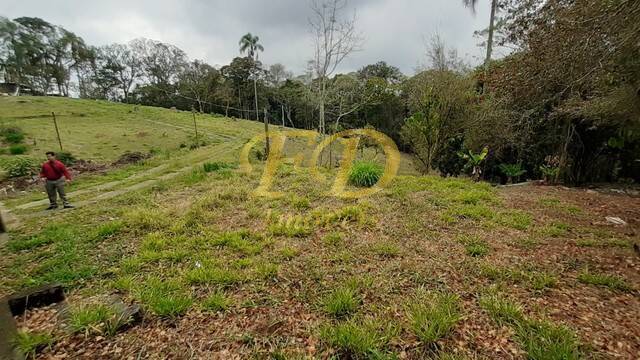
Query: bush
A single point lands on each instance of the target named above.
(447, 161)
(215, 166)
(66, 158)
(17, 149)
(20, 166)
(365, 174)
(12, 135)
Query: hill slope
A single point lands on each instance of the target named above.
(102, 131)
(429, 267)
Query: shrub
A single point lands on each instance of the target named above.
(12, 135)
(20, 166)
(66, 158)
(215, 166)
(365, 174)
(512, 171)
(17, 149)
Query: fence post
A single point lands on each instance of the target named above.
(55, 123)
(195, 126)
(266, 133)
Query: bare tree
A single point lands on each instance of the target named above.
(335, 39)
(442, 58)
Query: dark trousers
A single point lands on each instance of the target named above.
(54, 188)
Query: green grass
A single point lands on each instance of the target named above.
(212, 275)
(102, 131)
(542, 281)
(612, 282)
(556, 229)
(50, 234)
(89, 318)
(515, 219)
(432, 316)
(341, 302)
(541, 340)
(359, 339)
(18, 149)
(31, 343)
(289, 253)
(217, 302)
(474, 246)
(365, 173)
(165, 298)
(386, 249)
(215, 166)
(604, 243)
(501, 309)
(333, 239)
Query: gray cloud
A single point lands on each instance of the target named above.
(394, 30)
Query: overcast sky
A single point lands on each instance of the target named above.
(394, 30)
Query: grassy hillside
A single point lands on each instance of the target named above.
(427, 268)
(102, 131)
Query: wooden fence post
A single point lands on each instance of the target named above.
(55, 123)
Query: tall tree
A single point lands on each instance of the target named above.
(494, 6)
(121, 66)
(251, 45)
(335, 39)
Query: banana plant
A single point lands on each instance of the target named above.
(512, 171)
(474, 161)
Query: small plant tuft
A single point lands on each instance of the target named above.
(31, 343)
(341, 302)
(611, 281)
(432, 316)
(216, 302)
(365, 174)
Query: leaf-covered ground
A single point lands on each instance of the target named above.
(430, 267)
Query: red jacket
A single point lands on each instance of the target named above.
(54, 171)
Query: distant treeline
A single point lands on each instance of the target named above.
(564, 105)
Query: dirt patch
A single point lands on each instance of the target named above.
(131, 158)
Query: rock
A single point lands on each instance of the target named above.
(615, 220)
(35, 297)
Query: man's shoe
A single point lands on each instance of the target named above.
(52, 207)
(68, 206)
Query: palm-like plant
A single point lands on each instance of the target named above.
(512, 171)
(494, 5)
(474, 161)
(251, 45)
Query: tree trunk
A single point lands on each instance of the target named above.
(494, 5)
(255, 93)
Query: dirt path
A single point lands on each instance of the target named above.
(100, 187)
(12, 220)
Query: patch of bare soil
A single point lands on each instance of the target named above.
(131, 158)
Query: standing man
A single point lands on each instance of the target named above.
(52, 172)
